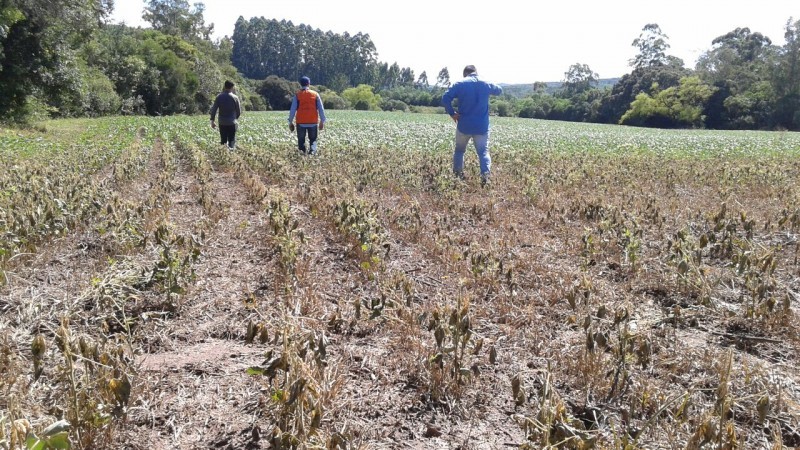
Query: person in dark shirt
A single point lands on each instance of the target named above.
(227, 103)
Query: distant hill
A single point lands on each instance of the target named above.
(524, 90)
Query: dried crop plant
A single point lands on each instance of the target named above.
(301, 386)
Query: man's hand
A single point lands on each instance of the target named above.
(321, 126)
(213, 125)
(291, 127)
(455, 117)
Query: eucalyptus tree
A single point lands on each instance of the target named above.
(389, 76)
(737, 59)
(651, 67)
(739, 64)
(652, 44)
(406, 77)
(264, 47)
(786, 79)
(443, 79)
(246, 49)
(177, 18)
(422, 81)
(579, 78)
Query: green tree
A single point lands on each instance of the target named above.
(98, 94)
(394, 105)
(786, 80)
(422, 81)
(502, 107)
(39, 71)
(389, 76)
(737, 62)
(641, 80)
(339, 82)
(677, 106)
(752, 109)
(409, 95)
(278, 92)
(443, 79)
(363, 98)
(652, 44)
(154, 73)
(537, 106)
(579, 78)
(331, 100)
(176, 18)
(264, 47)
(539, 87)
(406, 77)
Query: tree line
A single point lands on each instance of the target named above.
(61, 58)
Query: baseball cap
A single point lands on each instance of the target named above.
(305, 81)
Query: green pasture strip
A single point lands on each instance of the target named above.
(84, 137)
(435, 132)
(398, 145)
(528, 135)
(378, 150)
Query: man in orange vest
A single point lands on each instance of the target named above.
(307, 106)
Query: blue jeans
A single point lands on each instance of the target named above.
(481, 142)
(312, 138)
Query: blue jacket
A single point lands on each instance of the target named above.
(473, 103)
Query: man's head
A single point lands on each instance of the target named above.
(228, 84)
(469, 70)
(305, 81)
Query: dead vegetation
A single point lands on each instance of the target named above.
(368, 299)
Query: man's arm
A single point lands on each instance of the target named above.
(321, 109)
(214, 108)
(293, 109)
(447, 100)
(292, 112)
(495, 89)
(238, 108)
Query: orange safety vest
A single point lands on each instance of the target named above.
(307, 107)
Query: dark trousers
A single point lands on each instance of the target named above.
(312, 138)
(227, 135)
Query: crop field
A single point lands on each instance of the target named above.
(612, 288)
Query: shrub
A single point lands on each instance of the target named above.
(394, 105)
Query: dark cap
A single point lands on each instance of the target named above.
(470, 69)
(305, 81)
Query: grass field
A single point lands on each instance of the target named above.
(613, 287)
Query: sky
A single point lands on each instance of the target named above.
(507, 42)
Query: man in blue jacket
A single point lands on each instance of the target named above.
(472, 119)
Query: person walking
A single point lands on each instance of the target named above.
(472, 119)
(227, 103)
(310, 116)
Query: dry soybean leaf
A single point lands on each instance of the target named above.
(763, 408)
(251, 332)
